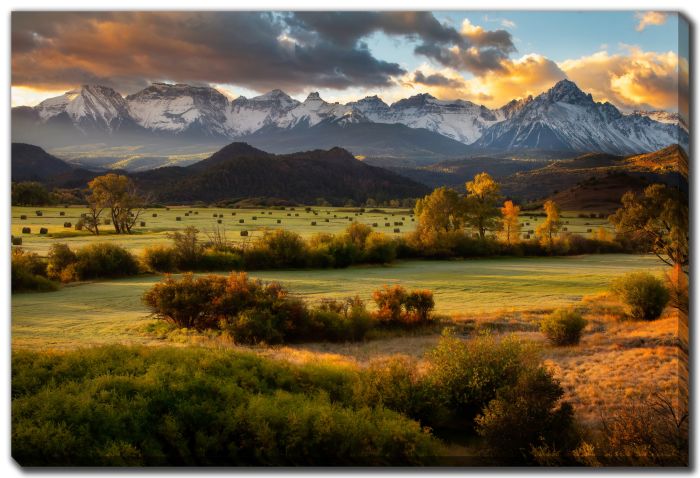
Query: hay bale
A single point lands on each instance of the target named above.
(396, 229)
(387, 224)
(107, 222)
(43, 230)
(16, 241)
(527, 223)
(62, 213)
(196, 213)
(26, 230)
(279, 221)
(221, 215)
(233, 213)
(218, 221)
(187, 214)
(296, 214)
(327, 220)
(143, 223)
(39, 213)
(215, 215)
(589, 230)
(67, 224)
(241, 221)
(178, 218)
(78, 226)
(564, 229)
(23, 216)
(255, 218)
(374, 224)
(154, 215)
(313, 223)
(244, 233)
(289, 214)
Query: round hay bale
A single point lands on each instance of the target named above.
(289, 214)
(23, 216)
(39, 213)
(62, 213)
(589, 230)
(279, 221)
(387, 224)
(16, 241)
(154, 215)
(241, 221)
(215, 215)
(564, 229)
(221, 215)
(396, 229)
(244, 233)
(143, 223)
(327, 220)
(78, 226)
(107, 222)
(219, 221)
(296, 214)
(178, 218)
(313, 223)
(26, 230)
(187, 214)
(196, 213)
(374, 224)
(233, 213)
(43, 230)
(255, 218)
(67, 224)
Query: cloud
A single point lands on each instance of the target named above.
(129, 50)
(635, 80)
(649, 18)
(436, 79)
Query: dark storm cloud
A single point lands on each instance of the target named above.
(131, 49)
(435, 79)
(262, 50)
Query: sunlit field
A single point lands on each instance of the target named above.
(255, 221)
(111, 310)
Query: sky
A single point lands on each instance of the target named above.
(629, 58)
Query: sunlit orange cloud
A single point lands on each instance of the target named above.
(25, 96)
(638, 79)
(529, 75)
(650, 18)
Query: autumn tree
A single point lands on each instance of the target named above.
(481, 203)
(660, 215)
(118, 194)
(440, 211)
(551, 225)
(510, 222)
(91, 220)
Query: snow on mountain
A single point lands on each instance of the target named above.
(246, 116)
(460, 120)
(179, 108)
(90, 107)
(567, 119)
(664, 117)
(562, 119)
(314, 110)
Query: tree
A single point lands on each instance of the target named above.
(29, 194)
(510, 222)
(481, 203)
(551, 225)
(440, 211)
(660, 215)
(118, 194)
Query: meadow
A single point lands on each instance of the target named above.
(255, 221)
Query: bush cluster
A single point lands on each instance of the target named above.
(396, 306)
(193, 406)
(93, 261)
(645, 295)
(121, 406)
(29, 272)
(252, 312)
(563, 327)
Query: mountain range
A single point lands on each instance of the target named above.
(564, 120)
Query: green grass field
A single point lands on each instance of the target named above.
(330, 220)
(112, 312)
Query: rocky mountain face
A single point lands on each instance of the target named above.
(561, 119)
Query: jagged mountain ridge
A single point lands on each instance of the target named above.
(562, 119)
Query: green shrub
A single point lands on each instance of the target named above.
(378, 248)
(214, 259)
(60, 257)
(285, 248)
(563, 327)
(526, 416)
(157, 406)
(28, 272)
(160, 259)
(646, 296)
(104, 259)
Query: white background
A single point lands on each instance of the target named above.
(7, 467)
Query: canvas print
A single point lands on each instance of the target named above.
(350, 238)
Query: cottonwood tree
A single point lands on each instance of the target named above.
(481, 203)
(551, 225)
(510, 222)
(440, 211)
(118, 194)
(660, 215)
